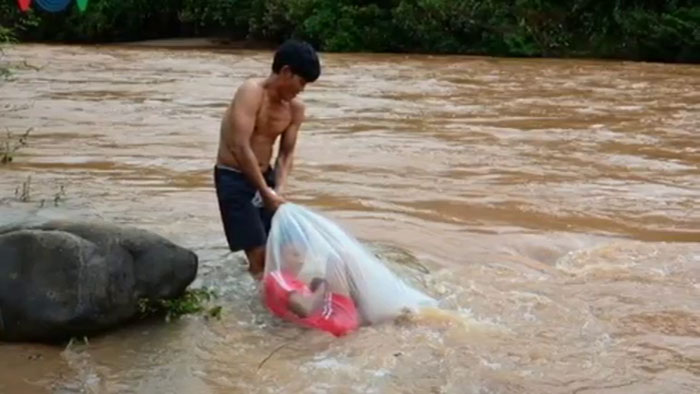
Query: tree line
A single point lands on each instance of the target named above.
(649, 30)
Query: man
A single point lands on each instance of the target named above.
(249, 190)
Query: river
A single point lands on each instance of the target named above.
(552, 206)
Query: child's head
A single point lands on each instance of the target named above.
(292, 250)
(291, 257)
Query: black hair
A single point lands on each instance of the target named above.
(301, 58)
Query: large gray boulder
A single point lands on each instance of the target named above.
(60, 278)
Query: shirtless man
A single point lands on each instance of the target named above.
(249, 190)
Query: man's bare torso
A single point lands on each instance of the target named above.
(272, 119)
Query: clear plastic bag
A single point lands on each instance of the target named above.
(310, 256)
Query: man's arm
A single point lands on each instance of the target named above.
(285, 157)
(242, 118)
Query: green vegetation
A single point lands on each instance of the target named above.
(631, 29)
(10, 144)
(7, 36)
(193, 301)
(24, 193)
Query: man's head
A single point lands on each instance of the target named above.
(295, 64)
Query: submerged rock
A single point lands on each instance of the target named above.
(64, 278)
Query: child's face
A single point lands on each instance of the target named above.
(292, 258)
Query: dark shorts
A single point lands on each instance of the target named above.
(245, 225)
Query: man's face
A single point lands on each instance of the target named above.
(291, 85)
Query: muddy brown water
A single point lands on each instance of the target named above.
(552, 206)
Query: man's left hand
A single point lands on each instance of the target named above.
(273, 200)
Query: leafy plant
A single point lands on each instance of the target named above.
(192, 301)
(7, 36)
(9, 146)
(23, 193)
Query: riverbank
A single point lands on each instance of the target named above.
(666, 32)
(216, 43)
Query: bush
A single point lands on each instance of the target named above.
(671, 36)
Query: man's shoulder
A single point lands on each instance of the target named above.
(249, 94)
(297, 107)
(251, 86)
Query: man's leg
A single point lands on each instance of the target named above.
(256, 260)
(243, 226)
(256, 255)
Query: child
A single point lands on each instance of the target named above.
(320, 305)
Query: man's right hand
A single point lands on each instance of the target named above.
(272, 200)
